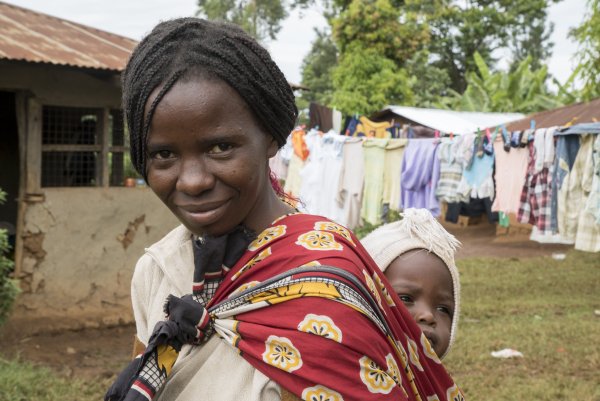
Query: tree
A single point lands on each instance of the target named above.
(394, 32)
(461, 28)
(522, 90)
(531, 35)
(588, 36)
(260, 18)
(365, 81)
(317, 67)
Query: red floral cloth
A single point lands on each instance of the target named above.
(307, 306)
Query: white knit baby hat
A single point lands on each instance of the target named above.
(418, 229)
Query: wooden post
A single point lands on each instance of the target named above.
(104, 164)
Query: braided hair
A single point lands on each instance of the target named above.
(185, 46)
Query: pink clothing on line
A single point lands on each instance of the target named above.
(511, 169)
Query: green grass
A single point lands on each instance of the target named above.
(541, 307)
(23, 381)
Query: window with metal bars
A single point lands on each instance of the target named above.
(83, 147)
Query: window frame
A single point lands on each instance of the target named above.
(104, 149)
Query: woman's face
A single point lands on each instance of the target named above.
(424, 284)
(207, 157)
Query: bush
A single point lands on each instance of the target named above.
(8, 287)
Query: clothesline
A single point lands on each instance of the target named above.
(354, 180)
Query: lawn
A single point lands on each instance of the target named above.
(541, 307)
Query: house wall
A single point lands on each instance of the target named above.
(76, 247)
(80, 246)
(62, 86)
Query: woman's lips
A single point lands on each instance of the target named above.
(205, 213)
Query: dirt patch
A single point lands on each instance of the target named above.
(103, 352)
(481, 241)
(86, 354)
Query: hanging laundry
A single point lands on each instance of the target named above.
(293, 181)
(331, 175)
(311, 172)
(320, 117)
(299, 144)
(511, 169)
(351, 183)
(593, 203)
(587, 237)
(395, 131)
(451, 169)
(567, 147)
(394, 152)
(371, 129)
(350, 126)
(337, 121)
(374, 160)
(477, 181)
(536, 194)
(420, 175)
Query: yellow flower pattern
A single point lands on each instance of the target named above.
(373, 288)
(319, 241)
(384, 291)
(376, 379)
(243, 288)
(265, 253)
(267, 236)
(454, 394)
(413, 353)
(393, 370)
(428, 349)
(336, 228)
(321, 325)
(321, 393)
(433, 398)
(281, 353)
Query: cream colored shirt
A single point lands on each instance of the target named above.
(211, 372)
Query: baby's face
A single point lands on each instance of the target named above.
(423, 282)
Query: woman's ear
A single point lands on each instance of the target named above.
(273, 148)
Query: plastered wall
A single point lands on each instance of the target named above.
(80, 249)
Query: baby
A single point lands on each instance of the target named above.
(416, 255)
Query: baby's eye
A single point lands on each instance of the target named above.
(445, 309)
(405, 298)
(162, 154)
(220, 148)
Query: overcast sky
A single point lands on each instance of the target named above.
(134, 18)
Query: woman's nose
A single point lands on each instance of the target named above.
(194, 177)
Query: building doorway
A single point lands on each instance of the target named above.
(9, 165)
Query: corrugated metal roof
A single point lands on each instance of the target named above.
(573, 114)
(26, 35)
(457, 122)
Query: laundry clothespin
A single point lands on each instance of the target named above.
(488, 134)
(451, 136)
(505, 134)
(493, 137)
(571, 122)
(532, 130)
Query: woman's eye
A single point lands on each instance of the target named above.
(162, 154)
(220, 148)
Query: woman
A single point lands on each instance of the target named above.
(279, 304)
